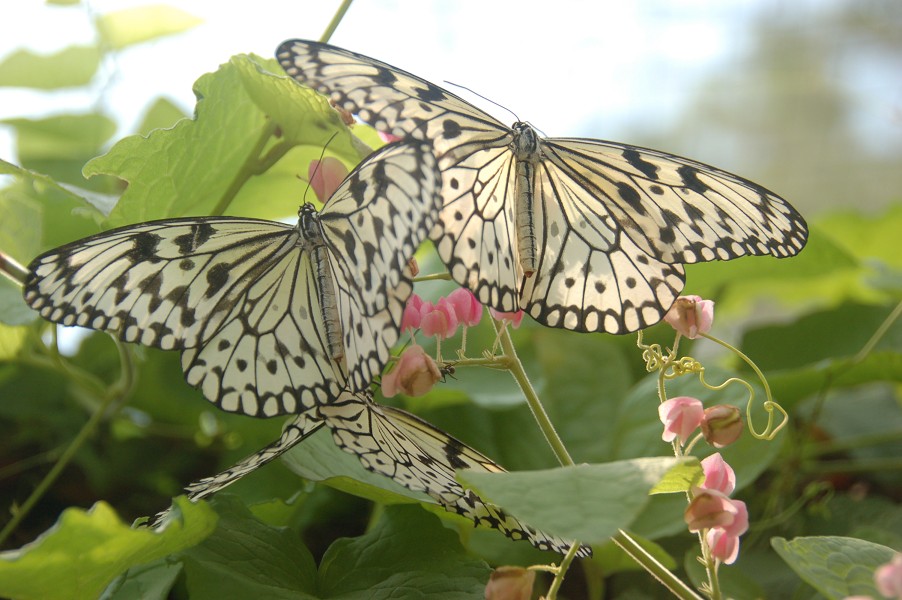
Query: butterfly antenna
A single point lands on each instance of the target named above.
(319, 164)
(501, 106)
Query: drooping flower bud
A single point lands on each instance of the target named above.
(722, 425)
(414, 374)
(681, 416)
(325, 176)
(719, 476)
(691, 316)
(441, 321)
(709, 508)
(466, 307)
(513, 318)
(510, 583)
(888, 578)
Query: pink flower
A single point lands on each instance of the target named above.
(413, 312)
(710, 508)
(691, 316)
(724, 541)
(440, 321)
(722, 425)
(681, 416)
(413, 375)
(888, 578)
(510, 583)
(514, 318)
(388, 137)
(466, 307)
(325, 176)
(719, 476)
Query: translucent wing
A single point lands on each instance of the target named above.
(422, 458)
(243, 299)
(527, 222)
(373, 225)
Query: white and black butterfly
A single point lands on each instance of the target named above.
(270, 318)
(401, 446)
(582, 234)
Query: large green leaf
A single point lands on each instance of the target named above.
(245, 558)
(837, 567)
(85, 550)
(589, 503)
(72, 66)
(408, 554)
(130, 26)
(197, 166)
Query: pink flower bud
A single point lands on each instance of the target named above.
(513, 318)
(388, 137)
(681, 416)
(888, 578)
(510, 583)
(466, 307)
(441, 321)
(325, 176)
(414, 374)
(719, 476)
(722, 425)
(690, 316)
(724, 547)
(413, 312)
(710, 508)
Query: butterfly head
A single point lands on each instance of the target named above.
(308, 222)
(525, 144)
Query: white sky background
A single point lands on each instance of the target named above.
(571, 68)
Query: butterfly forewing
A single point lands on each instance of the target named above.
(675, 209)
(643, 208)
(261, 310)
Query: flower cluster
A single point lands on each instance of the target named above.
(712, 510)
(415, 372)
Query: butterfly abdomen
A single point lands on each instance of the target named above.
(313, 240)
(525, 146)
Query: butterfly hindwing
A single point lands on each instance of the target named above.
(422, 458)
(526, 219)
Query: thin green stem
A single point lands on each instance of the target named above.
(433, 277)
(710, 567)
(250, 168)
(878, 335)
(532, 399)
(631, 547)
(559, 572)
(11, 268)
(333, 24)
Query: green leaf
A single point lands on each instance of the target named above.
(131, 26)
(70, 67)
(318, 459)
(61, 136)
(198, 166)
(245, 558)
(85, 550)
(56, 215)
(147, 582)
(586, 502)
(162, 114)
(11, 340)
(835, 566)
(408, 554)
(681, 478)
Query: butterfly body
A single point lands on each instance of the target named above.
(581, 234)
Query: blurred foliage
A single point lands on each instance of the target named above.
(822, 326)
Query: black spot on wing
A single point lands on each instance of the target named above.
(629, 195)
(217, 277)
(689, 176)
(144, 247)
(199, 234)
(430, 93)
(636, 161)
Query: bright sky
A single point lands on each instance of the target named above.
(570, 67)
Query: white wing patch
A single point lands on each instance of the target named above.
(607, 224)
